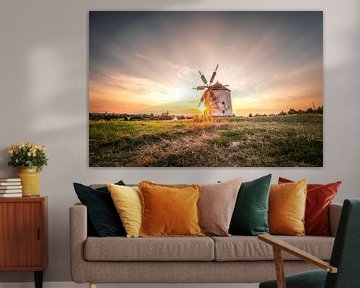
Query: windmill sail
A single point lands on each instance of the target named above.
(200, 87)
(203, 78)
(214, 74)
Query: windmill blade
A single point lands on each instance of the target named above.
(214, 74)
(203, 78)
(200, 87)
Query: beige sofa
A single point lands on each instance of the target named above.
(234, 259)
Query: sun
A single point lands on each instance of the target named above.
(202, 107)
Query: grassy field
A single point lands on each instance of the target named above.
(278, 141)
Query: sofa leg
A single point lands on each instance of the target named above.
(92, 285)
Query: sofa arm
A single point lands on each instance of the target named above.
(78, 234)
(334, 216)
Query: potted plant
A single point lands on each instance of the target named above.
(30, 158)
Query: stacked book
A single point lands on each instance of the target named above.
(10, 187)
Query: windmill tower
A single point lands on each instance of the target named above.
(216, 99)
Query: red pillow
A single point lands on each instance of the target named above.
(319, 197)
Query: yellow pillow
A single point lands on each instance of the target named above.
(127, 201)
(287, 204)
(169, 210)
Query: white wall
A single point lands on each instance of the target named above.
(43, 90)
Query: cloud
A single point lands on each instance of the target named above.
(150, 60)
(128, 94)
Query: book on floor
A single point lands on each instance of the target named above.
(10, 195)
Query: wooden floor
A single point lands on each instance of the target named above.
(74, 285)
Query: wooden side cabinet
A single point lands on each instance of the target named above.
(23, 235)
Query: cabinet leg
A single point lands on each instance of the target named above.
(38, 279)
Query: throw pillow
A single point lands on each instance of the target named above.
(250, 215)
(287, 208)
(216, 206)
(318, 200)
(127, 201)
(169, 210)
(102, 215)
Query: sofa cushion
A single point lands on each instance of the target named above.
(149, 249)
(169, 210)
(287, 204)
(216, 206)
(318, 199)
(102, 216)
(127, 201)
(243, 248)
(250, 216)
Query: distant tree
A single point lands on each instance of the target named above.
(319, 110)
(250, 115)
(300, 111)
(310, 111)
(292, 111)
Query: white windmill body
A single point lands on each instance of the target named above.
(216, 98)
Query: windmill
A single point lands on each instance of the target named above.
(216, 99)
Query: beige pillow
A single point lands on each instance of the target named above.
(216, 205)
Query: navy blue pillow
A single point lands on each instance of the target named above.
(103, 217)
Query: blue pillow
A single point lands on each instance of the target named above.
(103, 218)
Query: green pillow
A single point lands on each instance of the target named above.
(250, 216)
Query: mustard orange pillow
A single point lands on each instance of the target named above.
(287, 203)
(169, 210)
(319, 197)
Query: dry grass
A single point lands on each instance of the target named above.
(256, 142)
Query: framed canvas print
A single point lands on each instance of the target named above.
(205, 89)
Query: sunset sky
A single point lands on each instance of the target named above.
(148, 62)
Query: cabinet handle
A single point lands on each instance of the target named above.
(38, 234)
